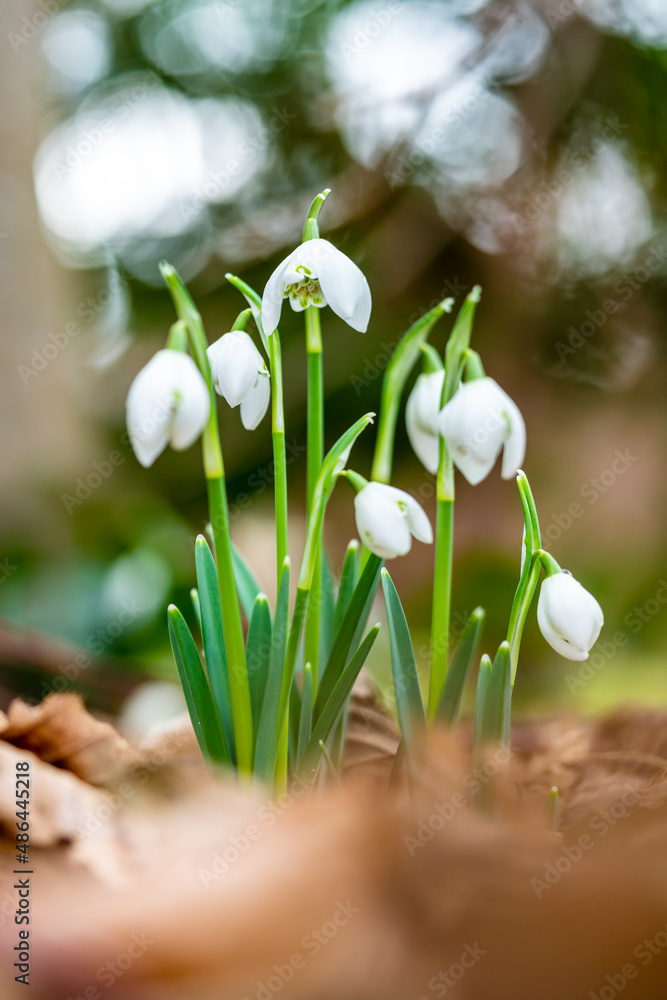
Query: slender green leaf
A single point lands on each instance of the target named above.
(213, 637)
(196, 606)
(258, 654)
(494, 723)
(348, 581)
(355, 617)
(327, 614)
(457, 675)
(306, 719)
(409, 705)
(329, 765)
(336, 702)
(483, 678)
(273, 713)
(198, 697)
(294, 722)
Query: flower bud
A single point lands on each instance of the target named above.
(388, 519)
(168, 403)
(569, 617)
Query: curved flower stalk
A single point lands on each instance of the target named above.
(422, 414)
(241, 376)
(318, 274)
(168, 404)
(477, 424)
(388, 518)
(569, 617)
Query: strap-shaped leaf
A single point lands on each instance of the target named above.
(198, 697)
(348, 581)
(272, 715)
(355, 616)
(258, 654)
(196, 605)
(327, 614)
(409, 704)
(213, 637)
(483, 678)
(336, 702)
(306, 717)
(493, 725)
(457, 675)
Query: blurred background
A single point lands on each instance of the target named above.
(518, 145)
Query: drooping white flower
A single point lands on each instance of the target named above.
(569, 617)
(318, 274)
(388, 518)
(168, 403)
(421, 418)
(240, 375)
(477, 423)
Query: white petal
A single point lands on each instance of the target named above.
(569, 616)
(192, 410)
(515, 445)
(381, 524)
(421, 418)
(235, 364)
(343, 284)
(256, 402)
(475, 428)
(414, 514)
(272, 299)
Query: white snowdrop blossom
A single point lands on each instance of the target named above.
(569, 616)
(168, 403)
(318, 274)
(241, 376)
(388, 519)
(421, 418)
(479, 422)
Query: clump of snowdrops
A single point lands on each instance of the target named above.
(270, 698)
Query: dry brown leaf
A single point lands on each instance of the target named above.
(224, 895)
(61, 732)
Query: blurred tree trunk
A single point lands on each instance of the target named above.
(42, 436)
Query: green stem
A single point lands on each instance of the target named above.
(529, 574)
(315, 401)
(279, 456)
(442, 580)
(455, 351)
(315, 454)
(522, 601)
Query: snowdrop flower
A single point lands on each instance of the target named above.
(318, 274)
(421, 418)
(569, 617)
(168, 403)
(477, 423)
(388, 518)
(240, 375)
